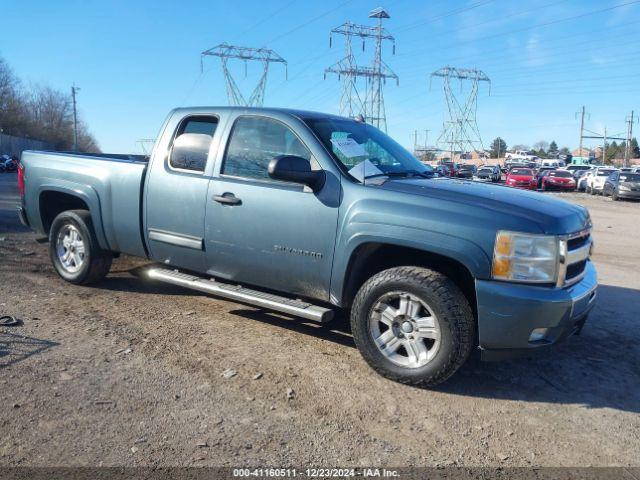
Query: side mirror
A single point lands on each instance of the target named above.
(291, 168)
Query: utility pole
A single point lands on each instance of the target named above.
(581, 129)
(75, 90)
(627, 149)
(415, 140)
(604, 147)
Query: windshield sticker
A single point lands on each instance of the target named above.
(349, 147)
(364, 169)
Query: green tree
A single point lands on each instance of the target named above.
(553, 147)
(498, 148)
(635, 150)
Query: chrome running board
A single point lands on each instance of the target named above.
(241, 294)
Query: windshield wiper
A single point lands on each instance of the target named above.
(407, 173)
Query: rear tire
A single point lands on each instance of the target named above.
(614, 196)
(413, 325)
(74, 249)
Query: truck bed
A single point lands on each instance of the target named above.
(110, 185)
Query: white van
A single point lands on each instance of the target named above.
(550, 162)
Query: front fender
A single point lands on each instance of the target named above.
(456, 248)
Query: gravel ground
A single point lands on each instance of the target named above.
(130, 373)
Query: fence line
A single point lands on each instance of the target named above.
(10, 145)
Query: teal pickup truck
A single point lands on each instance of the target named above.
(306, 213)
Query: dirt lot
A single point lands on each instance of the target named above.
(129, 373)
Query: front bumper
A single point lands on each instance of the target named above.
(629, 194)
(523, 186)
(516, 318)
(560, 186)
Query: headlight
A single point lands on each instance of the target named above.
(523, 257)
(622, 188)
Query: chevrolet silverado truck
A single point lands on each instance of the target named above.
(307, 214)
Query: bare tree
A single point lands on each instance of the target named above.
(541, 146)
(12, 114)
(41, 113)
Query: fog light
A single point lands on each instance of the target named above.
(539, 334)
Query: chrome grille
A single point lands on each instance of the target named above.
(575, 250)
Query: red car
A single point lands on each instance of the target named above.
(558, 180)
(521, 178)
(447, 169)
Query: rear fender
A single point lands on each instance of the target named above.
(86, 193)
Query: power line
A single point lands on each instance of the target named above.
(308, 22)
(501, 19)
(445, 15)
(552, 22)
(539, 25)
(265, 19)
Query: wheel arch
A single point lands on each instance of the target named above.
(370, 258)
(55, 199)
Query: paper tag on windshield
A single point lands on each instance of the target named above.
(364, 169)
(349, 147)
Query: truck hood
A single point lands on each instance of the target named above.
(551, 215)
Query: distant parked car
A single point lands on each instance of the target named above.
(488, 173)
(467, 171)
(549, 162)
(595, 181)
(519, 157)
(441, 171)
(576, 169)
(581, 179)
(521, 178)
(558, 180)
(449, 168)
(10, 163)
(541, 172)
(622, 185)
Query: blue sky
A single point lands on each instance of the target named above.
(135, 60)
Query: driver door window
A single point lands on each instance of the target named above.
(254, 142)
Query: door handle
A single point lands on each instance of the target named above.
(227, 198)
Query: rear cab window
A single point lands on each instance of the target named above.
(190, 147)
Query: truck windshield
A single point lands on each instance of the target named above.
(630, 177)
(365, 151)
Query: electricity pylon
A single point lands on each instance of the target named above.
(370, 103)
(460, 131)
(264, 55)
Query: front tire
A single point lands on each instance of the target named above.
(413, 325)
(614, 196)
(74, 249)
